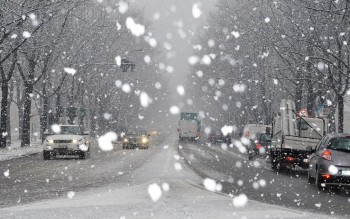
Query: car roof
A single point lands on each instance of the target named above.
(338, 135)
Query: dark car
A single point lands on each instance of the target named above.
(329, 163)
(218, 137)
(260, 145)
(136, 138)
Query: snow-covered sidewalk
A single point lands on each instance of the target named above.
(15, 150)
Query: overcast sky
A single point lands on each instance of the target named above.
(176, 16)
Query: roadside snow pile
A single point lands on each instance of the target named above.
(15, 150)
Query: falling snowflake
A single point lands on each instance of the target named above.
(209, 184)
(118, 60)
(196, 11)
(105, 142)
(226, 130)
(147, 59)
(83, 147)
(145, 100)
(123, 7)
(206, 60)
(180, 90)
(26, 34)
(165, 187)
(107, 116)
(235, 34)
(240, 201)
(71, 194)
(193, 60)
(7, 173)
(126, 88)
(136, 29)
(56, 128)
(70, 71)
(118, 83)
(239, 88)
(154, 192)
(177, 166)
(158, 85)
(174, 110)
(118, 25)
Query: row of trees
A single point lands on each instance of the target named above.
(268, 50)
(61, 54)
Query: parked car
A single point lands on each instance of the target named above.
(329, 163)
(136, 138)
(70, 140)
(259, 145)
(218, 137)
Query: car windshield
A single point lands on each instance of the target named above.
(265, 137)
(340, 144)
(136, 133)
(70, 130)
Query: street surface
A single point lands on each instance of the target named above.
(115, 185)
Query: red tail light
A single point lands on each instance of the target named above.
(258, 146)
(327, 155)
(290, 158)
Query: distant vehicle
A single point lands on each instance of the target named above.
(218, 137)
(259, 146)
(250, 130)
(136, 138)
(71, 140)
(189, 126)
(330, 161)
(154, 132)
(291, 136)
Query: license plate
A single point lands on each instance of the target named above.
(345, 172)
(62, 147)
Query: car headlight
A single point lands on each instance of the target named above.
(50, 141)
(144, 140)
(126, 140)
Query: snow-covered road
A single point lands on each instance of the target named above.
(122, 184)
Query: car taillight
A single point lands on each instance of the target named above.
(258, 146)
(327, 155)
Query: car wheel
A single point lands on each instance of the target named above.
(318, 181)
(83, 155)
(250, 155)
(310, 179)
(46, 155)
(280, 167)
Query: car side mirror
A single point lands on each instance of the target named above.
(309, 149)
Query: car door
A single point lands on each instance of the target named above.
(313, 159)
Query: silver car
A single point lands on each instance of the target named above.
(329, 163)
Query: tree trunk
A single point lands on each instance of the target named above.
(44, 114)
(298, 91)
(26, 115)
(8, 120)
(4, 111)
(340, 99)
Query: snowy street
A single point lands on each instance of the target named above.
(116, 184)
